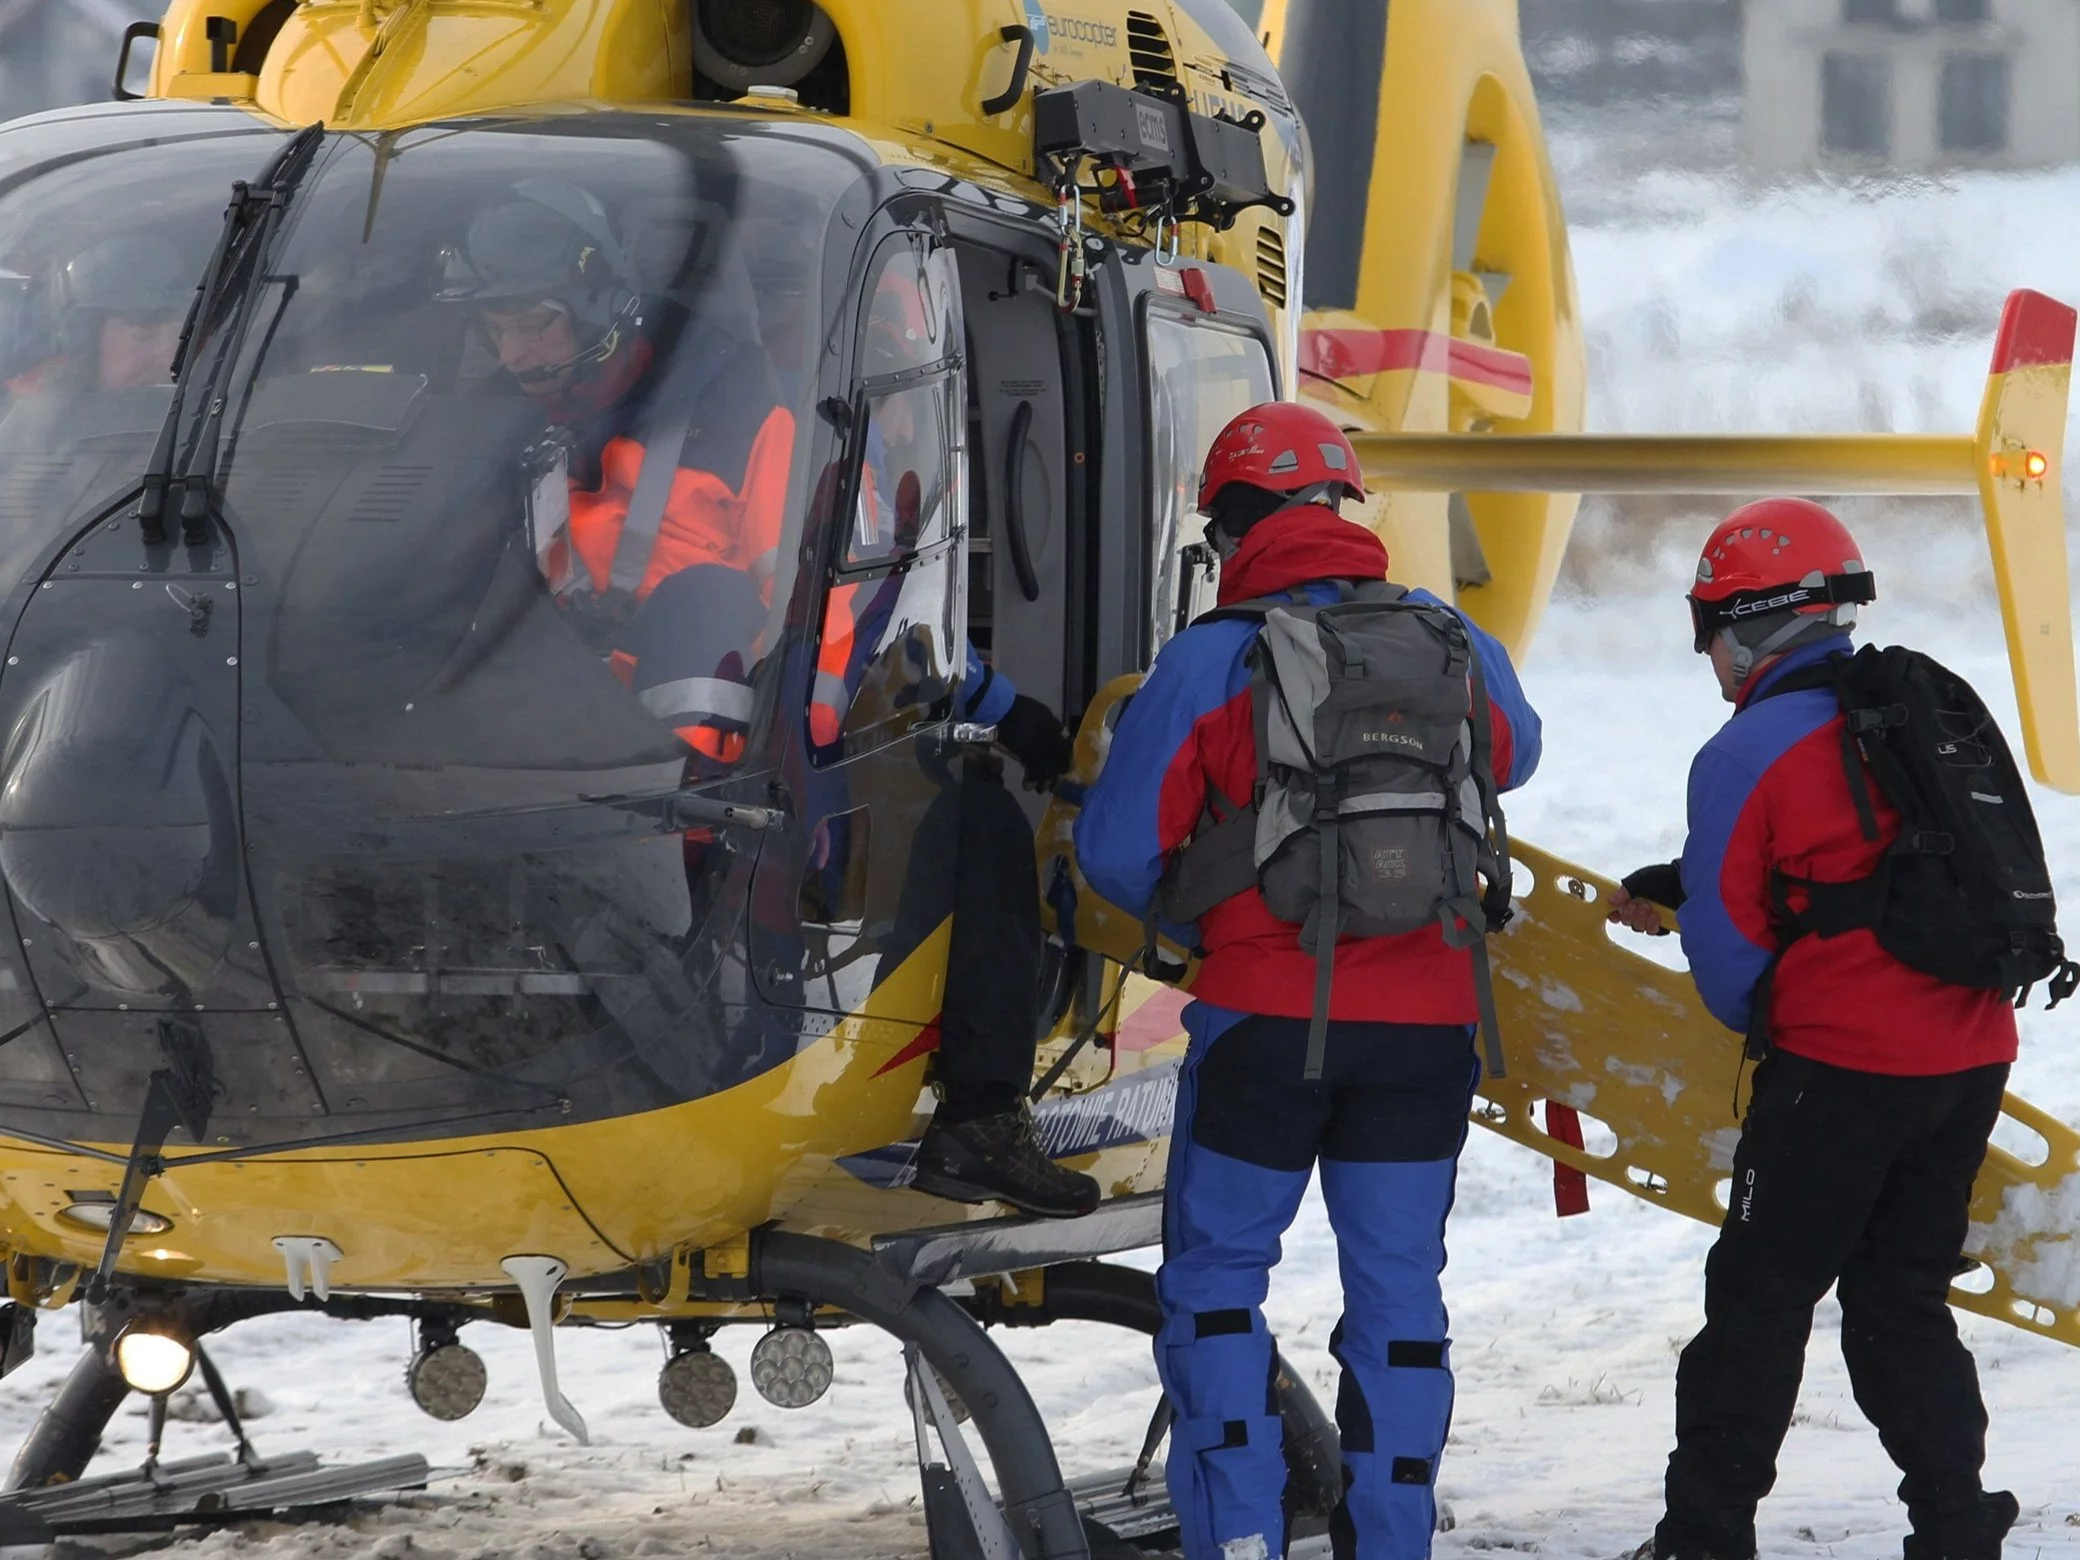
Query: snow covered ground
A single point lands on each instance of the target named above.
(1708, 307)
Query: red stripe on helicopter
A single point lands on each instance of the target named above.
(1158, 1019)
(2035, 331)
(926, 1042)
(1340, 353)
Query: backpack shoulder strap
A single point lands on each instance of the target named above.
(1257, 608)
(1253, 610)
(1494, 907)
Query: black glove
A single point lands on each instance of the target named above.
(1662, 884)
(1032, 733)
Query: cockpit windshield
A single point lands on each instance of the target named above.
(499, 379)
(517, 453)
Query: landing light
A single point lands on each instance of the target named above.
(153, 1357)
(99, 1216)
(2034, 465)
(697, 1387)
(791, 1367)
(447, 1380)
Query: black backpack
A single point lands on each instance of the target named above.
(1963, 894)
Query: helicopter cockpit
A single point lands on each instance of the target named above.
(494, 598)
(519, 442)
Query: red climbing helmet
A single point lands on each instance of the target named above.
(1773, 556)
(1281, 447)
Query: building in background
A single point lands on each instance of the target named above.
(55, 52)
(1623, 54)
(1910, 85)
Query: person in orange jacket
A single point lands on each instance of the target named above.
(668, 567)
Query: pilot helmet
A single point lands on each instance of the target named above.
(550, 243)
(135, 276)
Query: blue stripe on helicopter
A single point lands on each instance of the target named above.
(1138, 1108)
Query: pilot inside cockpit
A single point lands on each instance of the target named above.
(667, 567)
(107, 319)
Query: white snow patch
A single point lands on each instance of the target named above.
(2032, 1240)
(1558, 997)
(1644, 1077)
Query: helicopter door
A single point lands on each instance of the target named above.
(864, 882)
(1202, 371)
(1029, 475)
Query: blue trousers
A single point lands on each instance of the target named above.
(1386, 1123)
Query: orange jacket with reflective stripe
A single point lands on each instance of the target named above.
(704, 521)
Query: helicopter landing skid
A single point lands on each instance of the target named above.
(212, 1490)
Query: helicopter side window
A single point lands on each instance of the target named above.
(890, 652)
(1199, 376)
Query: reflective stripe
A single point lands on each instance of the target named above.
(829, 688)
(699, 696)
(1394, 801)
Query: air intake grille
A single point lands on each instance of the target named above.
(391, 494)
(1148, 47)
(1271, 266)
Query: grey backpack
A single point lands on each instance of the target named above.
(1374, 811)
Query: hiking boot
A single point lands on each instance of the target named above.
(1975, 1533)
(999, 1159)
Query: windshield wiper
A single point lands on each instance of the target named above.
(237, 268)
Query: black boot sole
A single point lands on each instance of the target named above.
(935, 1183)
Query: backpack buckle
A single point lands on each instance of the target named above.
(1930, 842)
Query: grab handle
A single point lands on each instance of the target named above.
(1015, 502)
(1021, 68)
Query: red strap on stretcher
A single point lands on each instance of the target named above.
(1570, 1186)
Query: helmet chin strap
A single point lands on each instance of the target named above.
(1746, 659)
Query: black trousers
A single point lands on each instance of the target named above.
(989, 1020)
(1862, 1181)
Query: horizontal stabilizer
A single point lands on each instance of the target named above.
(2013, 462)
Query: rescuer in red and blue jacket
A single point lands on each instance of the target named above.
(1871, 1111)
(1388, 1117)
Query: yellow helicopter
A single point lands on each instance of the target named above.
(377, 946)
